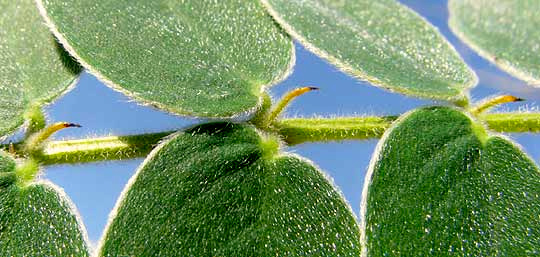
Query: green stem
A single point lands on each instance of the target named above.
(513, 122)
(99, 149)
(300, 130)
(293, 131)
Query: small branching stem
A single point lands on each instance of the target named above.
(35, 141)
(284, 102)
(33, 146)
(492, 102)
(293, 131)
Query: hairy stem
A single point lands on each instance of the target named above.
(293, 131)
(300, 130)
(99, 149)
(513, 122)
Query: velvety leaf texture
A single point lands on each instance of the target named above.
(7, 171)
(36, 220)
(7, 164)
(382, 42)
(504, 32)
(202, 58)
(220, 190)
(33, 67)
(441, 186)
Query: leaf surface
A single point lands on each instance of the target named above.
(36, 220)
(220, 190)
(382, 42)
(504, 32)
(202, 58)
(441, 186)
(34, 69)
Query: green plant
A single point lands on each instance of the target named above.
(439, 183)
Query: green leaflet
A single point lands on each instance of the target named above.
(220, 190)
(439, 185)
(36, 220)
(202, 58)
(382, 42)
(34, 69)
(7, 164)
(504, 32)
(7, 172)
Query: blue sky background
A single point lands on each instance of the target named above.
(95, 187)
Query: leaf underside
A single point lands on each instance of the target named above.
(382, 42)
(34, 69)
(202, 58)
(504, 32)
(35, 220)
(441, 186)
(215, 191)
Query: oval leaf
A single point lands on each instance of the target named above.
(36, 220)
(441, 186)
(34, 69)
(382, 42)
(220, 190)
(202, 58)
(504, 32)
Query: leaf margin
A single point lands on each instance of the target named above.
(503, 64)
(64, 199)
(153, 104)
(69, 65)
(71, 207)
(359, 75)
(98, 249)
(376, 156)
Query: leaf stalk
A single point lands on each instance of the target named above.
(292, 131)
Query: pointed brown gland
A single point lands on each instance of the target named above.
(36, 140)
(284, 102)
(491, 102)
